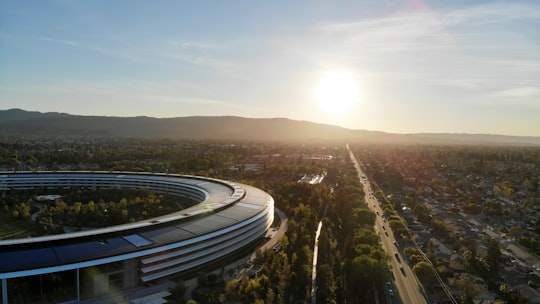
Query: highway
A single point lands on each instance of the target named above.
(405, 286)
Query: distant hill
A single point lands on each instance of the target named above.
(18, 114)
(482, 138)
(17, 122)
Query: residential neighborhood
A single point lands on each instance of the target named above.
(473, 211)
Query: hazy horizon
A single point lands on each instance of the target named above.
(398, 67)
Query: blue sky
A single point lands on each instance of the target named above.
(420, 66)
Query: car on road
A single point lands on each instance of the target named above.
(390, 292)
(397, 256)
(402, 269)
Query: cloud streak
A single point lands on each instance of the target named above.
(442, 48)
(448, 60)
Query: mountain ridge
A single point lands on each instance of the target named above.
(18, 122)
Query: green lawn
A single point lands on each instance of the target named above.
(10, 229)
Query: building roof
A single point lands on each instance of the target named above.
(222, 205)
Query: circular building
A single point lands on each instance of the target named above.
(86, 265)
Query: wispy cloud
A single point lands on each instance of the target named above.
(203, 54)
(514, 97)
(196, 53)
(451, 57)
(60, 41)
(128, 98)
(197, 59)
(445, 47)
(494, 12)
(415, 31)
(195, 45)
(521, 92)
(82, 46)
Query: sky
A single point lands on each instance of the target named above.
(460, 66)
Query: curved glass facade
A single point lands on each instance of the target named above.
(91, 264)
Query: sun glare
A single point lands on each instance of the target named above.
(337, 92)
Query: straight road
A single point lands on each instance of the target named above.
(405, 281)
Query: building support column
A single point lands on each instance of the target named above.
(78, 287)
(4, 291)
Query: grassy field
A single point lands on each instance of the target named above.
(11, 229)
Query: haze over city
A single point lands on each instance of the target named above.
(394, 66)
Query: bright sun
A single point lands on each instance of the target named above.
(337, 92)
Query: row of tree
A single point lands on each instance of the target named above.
(497, 183)
(88, 207)
(351, 263)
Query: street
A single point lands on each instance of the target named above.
(405, 281)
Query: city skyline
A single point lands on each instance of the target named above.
(416, 66)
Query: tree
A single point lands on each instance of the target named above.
(412, 251)
(493, 256)
(91, 206)
(364, 216)
(421, 213)
(468, 289)
(515, 232)
(469, 258)
(423, 269)
(415, 259)
(366, 236)
(364, 273)
(505, 290)
(529, 242)
(77, 207)
(326, 284)
(508, 190)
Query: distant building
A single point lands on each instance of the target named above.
(407, 213)
(312, 179)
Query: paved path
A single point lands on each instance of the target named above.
(35, 215)
(240, 266)
(314, 267)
